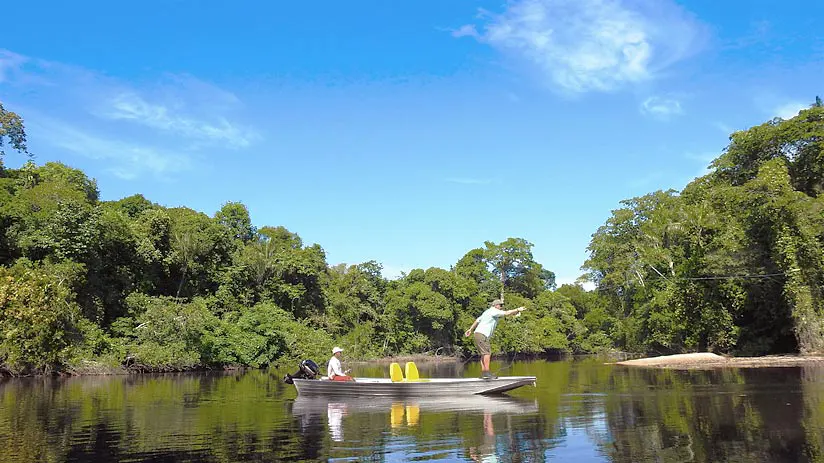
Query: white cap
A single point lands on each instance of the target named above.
(336, 350)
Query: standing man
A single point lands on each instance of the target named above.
(334, 370)
(483, 328)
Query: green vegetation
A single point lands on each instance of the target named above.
(733, 263)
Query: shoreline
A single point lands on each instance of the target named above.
(709, 361)
(693, 361)
(92, 368)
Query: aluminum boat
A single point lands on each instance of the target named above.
(307, 382)
(430, 387)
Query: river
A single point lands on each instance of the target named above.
(581, 410)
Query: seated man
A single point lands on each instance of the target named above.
(335, 371)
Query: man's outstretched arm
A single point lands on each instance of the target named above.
(514, 311)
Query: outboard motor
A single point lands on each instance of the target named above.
(307, 370)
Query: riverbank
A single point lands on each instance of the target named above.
(95, 368)
(706, 360)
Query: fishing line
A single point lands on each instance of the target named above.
(728, 277)
(508, 365)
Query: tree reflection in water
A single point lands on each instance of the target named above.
(580, 410)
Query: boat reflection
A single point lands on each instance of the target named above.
(319, 405)
(407, 413)
(335, 413)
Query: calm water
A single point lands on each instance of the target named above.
(580, 411)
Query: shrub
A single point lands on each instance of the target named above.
(39, 316)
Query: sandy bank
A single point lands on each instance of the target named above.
(705, 360)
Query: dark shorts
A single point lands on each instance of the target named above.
(482, 343)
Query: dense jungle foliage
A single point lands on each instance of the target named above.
(733, 263)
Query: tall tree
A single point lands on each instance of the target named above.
(512, 262)
(235, 217)
(12, 133)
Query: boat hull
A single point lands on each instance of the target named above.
(434, 387)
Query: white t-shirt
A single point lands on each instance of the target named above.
(488, 320)
(334, 368)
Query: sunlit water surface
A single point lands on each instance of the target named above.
(580, 411)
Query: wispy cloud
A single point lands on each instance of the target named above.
(14, 69)
(125, 160)
(727, 129)
(790, 109)
(467, 30)
(591, 45)
(661, 107)
(9, 62)
(110, 119)
(759, 33)
(130, 106)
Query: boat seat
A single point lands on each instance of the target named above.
(413, 414)
(396, 412)
(412, 373)
(395, 372)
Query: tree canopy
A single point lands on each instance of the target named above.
(732, 263)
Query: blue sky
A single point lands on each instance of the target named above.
(407, 132)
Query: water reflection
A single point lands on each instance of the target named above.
(580, 411)
(413, 417)
(335, 412)
(486, 452)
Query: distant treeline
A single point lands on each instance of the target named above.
(734, 263)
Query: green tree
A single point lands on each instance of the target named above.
(133, 205)
(40, 321)
(355, 296)
(235, 217)
(201, 249)
(512, 262)
(12, 133)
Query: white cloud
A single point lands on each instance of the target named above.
(9, 63)
(130, 106)
(592, 45)
(125, 160)
(467, 30)
(661, 108)
(14, 69)
(110, 119)
(789, 110)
